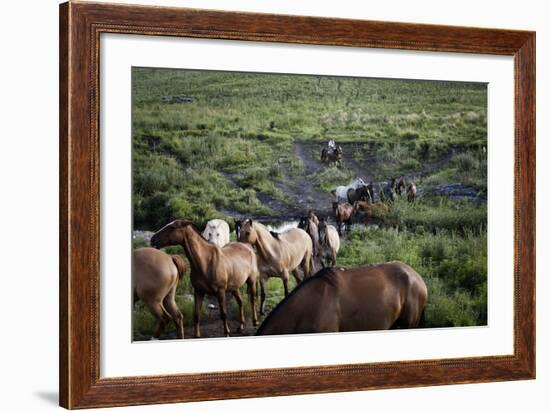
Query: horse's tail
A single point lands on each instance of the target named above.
(180, 265)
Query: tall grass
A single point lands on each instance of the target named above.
(454, 268)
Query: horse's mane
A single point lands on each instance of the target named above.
(275, 234)
(325, 274)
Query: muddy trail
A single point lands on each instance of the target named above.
(359, 160)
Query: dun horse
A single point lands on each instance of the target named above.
(156, 276)
(278, 254)
(411, 192)
(214, 270)
(377, 297)
(343, 212)
(329, 244)
(309, 225)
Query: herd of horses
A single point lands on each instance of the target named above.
(359, 197)
(326, 298)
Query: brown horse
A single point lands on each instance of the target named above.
(376, 297)
(214, 270)
(343, 212)
(332, 158)
(329, 244)
(311, 215)
(411, 192)
(400, 187)
(278, 254)
(156, 276)
(309, 225)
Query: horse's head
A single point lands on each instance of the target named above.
(335, 205)
(322, 230)
(247, 232)
(170, 234)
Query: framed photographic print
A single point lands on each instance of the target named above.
(258, 205)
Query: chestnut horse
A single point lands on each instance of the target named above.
(329, 244)
(156, 276)
(343, 212)
(214, 269)
(279, 254)
(376, 297)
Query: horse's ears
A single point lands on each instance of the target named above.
(182, 223)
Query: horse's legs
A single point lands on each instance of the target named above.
(237, 294)
(223, 311)
(161, 316)
(252, 296)
(296, 275)
(199, 295)
(263, 286)
(307, 266)
(169, 303)
(285, 276)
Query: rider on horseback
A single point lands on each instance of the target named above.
(331, 146)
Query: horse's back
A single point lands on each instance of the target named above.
(240, 260)
(298, 244)
(385, 293)
(310, 308)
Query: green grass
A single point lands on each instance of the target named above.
(453, 267)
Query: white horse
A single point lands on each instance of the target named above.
(216, 232)
(341, 192)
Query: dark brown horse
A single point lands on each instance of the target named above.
(377, 297)
(332, 158)
(214, 269)
(359, 194)
(343, 212)
(387, 192)
(401, 186)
